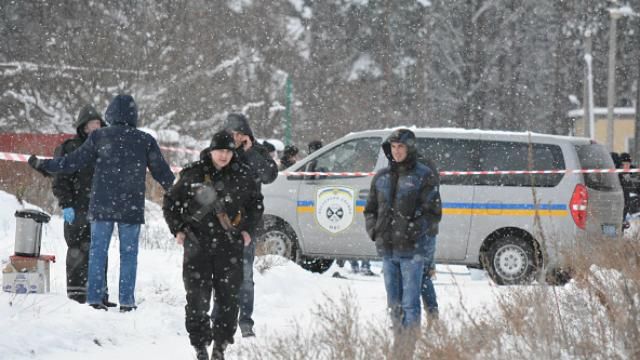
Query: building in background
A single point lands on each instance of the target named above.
(623, 126)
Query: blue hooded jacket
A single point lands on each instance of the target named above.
(404, 202)
(121, 154)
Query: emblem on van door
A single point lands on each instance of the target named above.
(335, 206)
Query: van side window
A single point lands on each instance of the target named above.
(450, 155)
(351, 156)
(503, 155)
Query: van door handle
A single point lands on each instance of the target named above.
(363, 194)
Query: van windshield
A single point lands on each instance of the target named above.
(595, 156)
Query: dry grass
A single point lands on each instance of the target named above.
(596, 316)
(264, 263)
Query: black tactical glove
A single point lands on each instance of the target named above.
(37, 164)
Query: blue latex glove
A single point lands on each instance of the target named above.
(69, 215)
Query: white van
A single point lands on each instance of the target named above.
(511, 225)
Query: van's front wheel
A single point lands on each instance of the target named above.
(276, 240)
(510, 261)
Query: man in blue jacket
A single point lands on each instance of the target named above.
(402, 214)
(121, 155)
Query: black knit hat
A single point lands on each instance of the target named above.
(222, 140)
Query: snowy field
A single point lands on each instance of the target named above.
(49, 326)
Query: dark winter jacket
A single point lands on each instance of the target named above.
(121, 155)
(286, 162)
(74, 190)
(264, 170)
(404, 201)
(201, 191)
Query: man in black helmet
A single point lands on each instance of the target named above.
(264, 171)
(289, 156)
(73, 192)
(211, 210)
(314, 145)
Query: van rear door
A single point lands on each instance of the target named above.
(605, 199)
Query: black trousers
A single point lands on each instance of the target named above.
(78, 239)
(211, 270)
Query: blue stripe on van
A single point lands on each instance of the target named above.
(456, 205)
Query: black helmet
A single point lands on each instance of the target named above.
(314, 145)
(290, 150)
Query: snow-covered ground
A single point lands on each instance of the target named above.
(49, 326)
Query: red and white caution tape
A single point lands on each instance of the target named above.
(307, 173)
(17, 157)
(454, 173)
(23, 158)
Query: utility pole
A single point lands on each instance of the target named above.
(588, 118)
(611, 89)
(287, 112)
(636, 138)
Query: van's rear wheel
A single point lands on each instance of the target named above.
(510, 261)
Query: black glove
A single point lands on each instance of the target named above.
(37, 164)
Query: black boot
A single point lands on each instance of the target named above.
(201, 352)
(247, 331)
(99, 307)
(108, 303)
(124, 308)
(218, 352)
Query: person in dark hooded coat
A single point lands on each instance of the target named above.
(402, 214)
(73, 192)
(212, 210)
(121, 154)
(264, 171)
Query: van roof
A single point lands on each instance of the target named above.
(501, 135)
